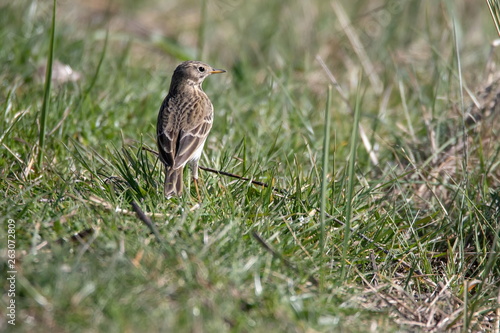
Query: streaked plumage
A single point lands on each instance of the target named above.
(184, 121)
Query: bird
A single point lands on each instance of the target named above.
(184, 120)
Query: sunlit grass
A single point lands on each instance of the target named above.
(379, 204)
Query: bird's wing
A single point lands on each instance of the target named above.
(179, 138)
(166, 135)
(191, 140)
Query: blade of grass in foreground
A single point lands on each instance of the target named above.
(494, 7)
(350, 183)
(326, 145)
(46, 95)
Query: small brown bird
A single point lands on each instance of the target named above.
(184, 121)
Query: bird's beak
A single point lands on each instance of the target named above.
(217, 71)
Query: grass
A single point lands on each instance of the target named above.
(46, 96)
(400, 233)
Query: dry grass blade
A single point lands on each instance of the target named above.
(345, 99)
(95, 201)
(494, 7)
(358, 47)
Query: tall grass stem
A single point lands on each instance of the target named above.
(46, 95)
(494, 7)
(324, 162)
(350, 183)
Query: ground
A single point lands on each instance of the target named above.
(357, 151)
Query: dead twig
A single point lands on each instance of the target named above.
(95, 201)
(228, 174)
(255, 182)
(277, 255)
(77, 237)
(147, 221)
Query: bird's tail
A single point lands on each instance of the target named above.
(173, 182)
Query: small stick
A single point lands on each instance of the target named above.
(255, 182)
(147, 221)
(275, 254)
(224, 173)
(77, 237)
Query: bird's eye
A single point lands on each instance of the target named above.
(201, 69)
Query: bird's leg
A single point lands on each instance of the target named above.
(194, 171)
(195, 181)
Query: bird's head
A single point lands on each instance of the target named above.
(193, 73)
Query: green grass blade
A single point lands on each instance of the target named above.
(97, 70)
(324, 162)
(494, 7)
(46, 95)
(350, 183)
